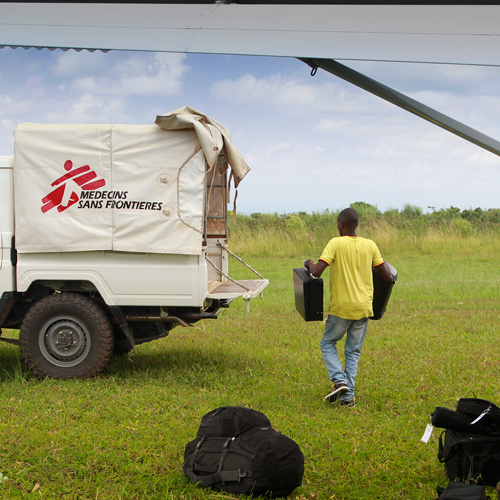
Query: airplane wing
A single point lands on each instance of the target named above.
(455, 34)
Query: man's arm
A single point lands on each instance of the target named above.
(315, 269)
(384, 272)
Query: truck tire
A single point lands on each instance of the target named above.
(66, 335)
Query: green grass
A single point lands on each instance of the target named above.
(122, 435)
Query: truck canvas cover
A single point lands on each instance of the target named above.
(130, 188)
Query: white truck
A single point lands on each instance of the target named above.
(112, 235)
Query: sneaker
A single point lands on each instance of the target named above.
(350, 403)
(336, 391)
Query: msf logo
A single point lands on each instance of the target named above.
(64, 195)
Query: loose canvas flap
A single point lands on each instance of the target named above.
(131, 188)
(211, 134)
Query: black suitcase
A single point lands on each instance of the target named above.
(382, 291)
(308, 295)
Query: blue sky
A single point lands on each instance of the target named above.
(313, 143)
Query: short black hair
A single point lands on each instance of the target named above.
(349, 217)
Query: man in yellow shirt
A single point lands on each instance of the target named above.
(350, 258)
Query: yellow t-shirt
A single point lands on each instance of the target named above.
(351, 283)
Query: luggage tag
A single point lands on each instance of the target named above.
(427, 434)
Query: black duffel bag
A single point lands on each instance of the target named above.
(470, 457)
(473, 415)
(236, 450)
(461, 422)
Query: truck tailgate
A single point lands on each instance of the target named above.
(248, 289)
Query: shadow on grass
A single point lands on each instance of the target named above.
(158, 363)
(181, 363)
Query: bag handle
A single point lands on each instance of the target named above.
(441, 457)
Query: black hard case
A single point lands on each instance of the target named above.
(308, 295)
(382, 291)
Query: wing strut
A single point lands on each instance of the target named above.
(405, 102)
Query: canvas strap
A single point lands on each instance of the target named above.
(221, 476)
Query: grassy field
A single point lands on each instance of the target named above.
(122, 435)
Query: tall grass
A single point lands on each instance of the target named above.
(273, 235)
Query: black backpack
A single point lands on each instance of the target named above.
(236, 450)
(469, 446)
(473, 458)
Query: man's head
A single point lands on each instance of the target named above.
(347, 222)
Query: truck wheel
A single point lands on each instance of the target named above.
(66, 335)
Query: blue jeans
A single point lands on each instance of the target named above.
(335, 328)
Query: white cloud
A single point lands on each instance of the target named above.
(74, 64)
(160, 74)
(86, 108)
(332, 125)
(90, 103)
(292, 94)
(409, 77)
(279, 147)
(12, 105)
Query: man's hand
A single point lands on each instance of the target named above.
(315, 269)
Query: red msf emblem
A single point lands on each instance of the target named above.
(64, 195)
